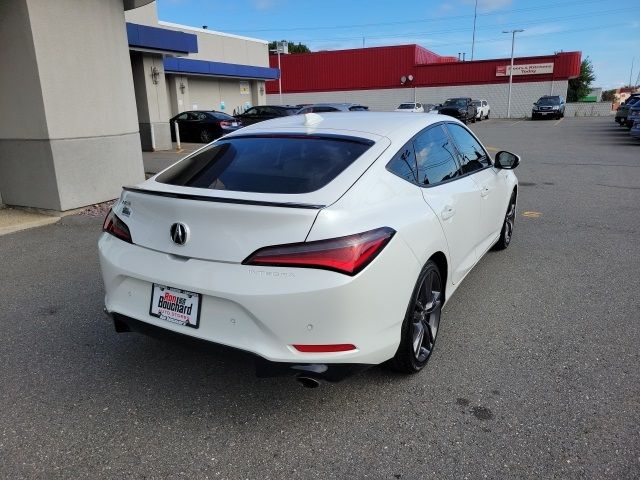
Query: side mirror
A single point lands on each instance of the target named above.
(506, 160)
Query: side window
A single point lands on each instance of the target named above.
(403, 163)
(182, 117)
(435, 156)
(201, 116)
(252, 112)
(324, 109)
(484, 103)
(472, 155)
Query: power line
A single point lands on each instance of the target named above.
(466, 29)
(413, 21)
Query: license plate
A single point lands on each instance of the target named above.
(544, 113)
(175, 305)
(234, 124)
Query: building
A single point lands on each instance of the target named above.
(384, 77)
(85, 86)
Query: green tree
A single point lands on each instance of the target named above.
(580, 86)
(293, 47)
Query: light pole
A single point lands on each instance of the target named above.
(513, 41)
(281, 47)
(473, 39)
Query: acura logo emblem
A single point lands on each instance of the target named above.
(179, 233)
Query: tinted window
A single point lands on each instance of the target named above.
(435, 156)
(472, 155)
(403, 163)
(549, 101)
(268, 164)
(220, 116)
(406, 106)
(182, 117)
(324, 109)
(358, 108)
(251, 112)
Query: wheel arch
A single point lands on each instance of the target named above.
(440, 259)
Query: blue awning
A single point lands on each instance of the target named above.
(202, 67)
(161, 39)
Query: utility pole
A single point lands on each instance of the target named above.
(473, 40)
(281, 48)
(633, 60)
(513, 41)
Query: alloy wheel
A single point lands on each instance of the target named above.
(426, 316)
(509, 222)
(206, 136)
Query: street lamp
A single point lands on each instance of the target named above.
(513, 41)
(281, 48)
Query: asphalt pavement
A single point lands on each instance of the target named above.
(535, 373)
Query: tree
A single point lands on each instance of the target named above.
(581, 86)
(609, 95)
(293, 47)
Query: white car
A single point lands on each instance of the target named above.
(410, 107)
(482, 109)
(321, 244)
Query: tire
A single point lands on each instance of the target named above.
(506, 233)
(473, 120)
(206, 136)
(421, 322)
(487, 117)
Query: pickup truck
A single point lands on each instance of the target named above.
(461, 108)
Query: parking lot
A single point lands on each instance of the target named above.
(535, 374)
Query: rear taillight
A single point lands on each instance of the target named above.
(116, 227)
(348, 255)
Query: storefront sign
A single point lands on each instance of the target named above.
(530, 69)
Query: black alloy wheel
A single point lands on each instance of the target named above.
(506, 234)
(206, 136)
(421, 323)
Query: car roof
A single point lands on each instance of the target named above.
(379, 124)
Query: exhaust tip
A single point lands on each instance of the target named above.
(308, 382)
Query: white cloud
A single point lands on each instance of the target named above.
(265, 4)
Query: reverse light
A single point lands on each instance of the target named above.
(116, 227)
(339, 347)
(348, 255)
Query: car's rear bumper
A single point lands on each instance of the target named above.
(267, 310)
(331, 372)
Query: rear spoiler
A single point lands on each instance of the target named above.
(206, 198)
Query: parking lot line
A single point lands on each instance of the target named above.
(558, 121)
(492, 149)
(518, 121)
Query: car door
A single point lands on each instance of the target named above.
(492, 183)
(454, 198)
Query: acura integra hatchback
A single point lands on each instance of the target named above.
(322, 244)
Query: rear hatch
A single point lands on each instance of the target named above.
(246, 192)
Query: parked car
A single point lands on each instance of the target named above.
(429, 107)
(333, 107)
(279, 242)
(548, 106)
(410, 107)
(265, 112)
(460, 108)
(623, 110)
(203, 125)
(482, 109)
(633, 115)
(635, 130)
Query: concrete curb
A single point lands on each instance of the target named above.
(12, 221)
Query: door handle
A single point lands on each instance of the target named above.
(485, 191)
(448, 212)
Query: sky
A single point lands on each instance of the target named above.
(607, 32)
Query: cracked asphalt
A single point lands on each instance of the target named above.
(535, 374)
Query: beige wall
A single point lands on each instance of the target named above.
(220, 47)
(68, 129)
(206, 93)
(145, 15)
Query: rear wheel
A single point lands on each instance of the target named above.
(507, 226)
(421, 322)
(206, 136)
(487, 117)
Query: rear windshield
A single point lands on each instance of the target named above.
(268, 164)
(407, 106)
